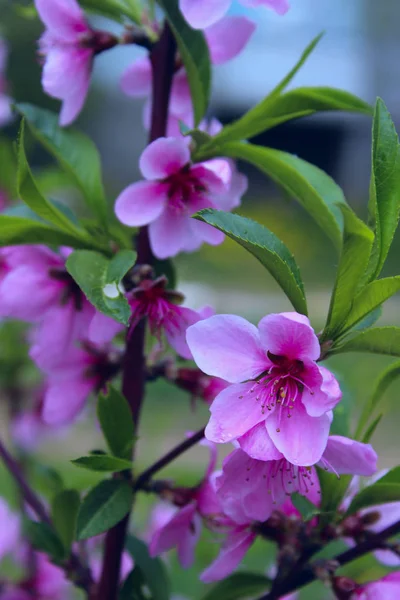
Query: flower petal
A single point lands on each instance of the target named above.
(141, 203)
(227, 346)
(64, 18)
(322, 391)
(257, 444)
(301, 439)
(279, 6)
(230, 556)
(203, 13)
(227, 38)
(289, 334)
(64, 400)
(136, 80)
(170, 234)
(174, 532)
(164, 157)
(346, 456)
(234, 412)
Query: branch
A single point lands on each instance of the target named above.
(168, 458)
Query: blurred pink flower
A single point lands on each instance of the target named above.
(387, 588)
(203, 13)
(10, 530)
(284, 406)
(174, 189)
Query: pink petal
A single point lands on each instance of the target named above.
(234, 412)
(206, 233)
(177, 531)
(175, 329)
(64, 400)
(103, 329)
(301, 439)
(137, 79)
(346, 456)
(227, 38)
(170, 234)
(203, 13)
(187, 544)
(227, 346)
(181, 100)
(141, 203)
(279, 6)
(257, 444)
(10, 530)
(322, 391)
(230, 556)
(290, 335)
(215, 177)
(222, 168)
(163, 158)
(64, 18)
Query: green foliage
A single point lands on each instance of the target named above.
(75, 152)
(266, 247)
(195, 56)
(135, 587)
(333, 490)
(103, 462)
(117, 10)
(384, 204)
(152, 570)
(99, 278)
(105, 505)
(116, 422)
(8, 167)
(64, 513)
(386, 489)
(238, 586)
(378, 340)
(43, 538)
(371, 298)
(307, 509)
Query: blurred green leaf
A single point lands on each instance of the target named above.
(152, 569)
(116, 422)
(356, 250)
(166, 267)
(307, 509)
(238, 586)
(134, 586)
(113, 9)
(384, 204)
(43, 538)
(194, 52)
(375, 494)
(378, 340)
(19, 230)
(266, 247)
(104, 506)
(75, 152)
(64, 513)
(333, 490)
(99, 278)
(103, 462)
(371, 430)
(8, 168)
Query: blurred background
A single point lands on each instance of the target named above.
(358, 53)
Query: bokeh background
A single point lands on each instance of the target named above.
(359, 53)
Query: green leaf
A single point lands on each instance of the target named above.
(342, 414)
(103, 462)
(378, 340)
(266, 247)
(389, 375)
(333, 489)
(112, 9)
(19, 230)
(152, 569)
(312, 188)
(104, 506)
(134, 587)
(75, 152)
(371, 430)
(166, 267)
(378, 493)
(195, 56)
(64, 513)
(384, 204)
(8, 167)
(307, 509)
(43, 538)
(238, 586)
(99, 277)
(30, 194)
(116, 422)
(370, 298)
(356, 249)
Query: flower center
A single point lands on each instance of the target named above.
(183, 187)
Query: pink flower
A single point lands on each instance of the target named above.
(10, 530)
(238, 541)
(251, 489)
(49, 582)
(203, 13)
(284, 405)
(387, 588)
(5, 101)
(68, 55)
(174, 191)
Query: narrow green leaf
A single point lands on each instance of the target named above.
(378, 493)
(75, 152)
(8, 167)
(103, 462)
(195, 56)
(384, 204)
(45, 539)
(238, 586)
(371, 297)
(312, 188)
(113, 9)
(333, 489)
(389, 375)
(105, 506)
(98, 278)
(356, 250)
(266, 247)
(378, 340)
(371, 430)
(116, 422)
(64, 512)
(30, 194)
(153, 569)
(19, 230)
(307, 509)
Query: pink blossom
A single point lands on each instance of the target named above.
(203, 13)
(252, 489)
(68, 55)
(49, 582)
(284, 405)
(173, 191)
(387, 588)
(10, 530)
(5, 101)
